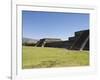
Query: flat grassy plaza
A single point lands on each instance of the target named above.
(46, 57)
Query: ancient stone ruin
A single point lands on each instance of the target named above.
(79, 42)
(45, 41)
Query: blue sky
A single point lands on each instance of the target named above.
(39, 25)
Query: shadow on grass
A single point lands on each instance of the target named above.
(43, 64)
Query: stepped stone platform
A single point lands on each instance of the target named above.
(42, 42)
(81, 42)
(78, 42)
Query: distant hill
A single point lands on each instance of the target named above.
(29, 40)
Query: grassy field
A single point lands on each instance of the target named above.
(38, 57)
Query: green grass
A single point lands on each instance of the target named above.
(38, 57)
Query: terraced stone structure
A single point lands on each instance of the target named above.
(81, 40)
(78, 42)
(44, 41)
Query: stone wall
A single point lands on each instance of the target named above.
(78, 42)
